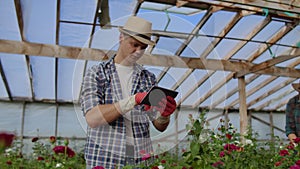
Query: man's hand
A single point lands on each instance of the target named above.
(167, 106)
(139, 97)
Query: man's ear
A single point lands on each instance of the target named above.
(121, 37)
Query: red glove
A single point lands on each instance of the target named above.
(139, 97)
(166, 106)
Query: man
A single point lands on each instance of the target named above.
(118, 124)
(292, 128)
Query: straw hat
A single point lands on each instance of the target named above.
(296, 86)
(138, 28)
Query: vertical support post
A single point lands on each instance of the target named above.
(56, 119)
(22, 126)
(243, 107)
(272, 127)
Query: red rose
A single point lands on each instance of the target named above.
(229, 136)
(64, 150)
(222, 154)
(283, 153)
(297, 140)
(6, 140)
(52, 139)
(278, 163)
(40, 158)
(146, 156)
(98, 167)
(8, 162)
(34, 139)
(217, 164)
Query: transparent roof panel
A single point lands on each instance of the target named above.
(78, 11)
(105, 39)
(229, 87)
(67, 78)
(3, 91)
(247, 24)
(12, 65)
(246, 51)
(43, 74)
(172, 77)
(222, 49)
(256, 82)
(167, 46)
(73, 25)
(39, 28)
(74, 35)
(267, 88)
(9, 28)
(119, 9)
(274, 99)
(216, 23)
(197, 46)
(169, 8)
(290, 37)
(268, 31)
(271, 52)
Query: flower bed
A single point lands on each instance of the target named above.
(216, 149)
(50, 155)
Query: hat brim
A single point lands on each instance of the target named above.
(296, 86)
(137, 37)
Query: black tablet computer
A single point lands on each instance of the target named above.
(155, 95)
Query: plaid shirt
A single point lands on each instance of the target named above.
(293, 116)
(106, 144)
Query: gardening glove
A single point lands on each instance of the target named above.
(128, 104)
(139, 97)
(166, 107)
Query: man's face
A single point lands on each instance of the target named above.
(131, 49)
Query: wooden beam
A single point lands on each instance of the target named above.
(284, 11)
(278, 7)
(36, 49)
(243, 107)
(267, 64)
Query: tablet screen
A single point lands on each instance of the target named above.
(155, 95)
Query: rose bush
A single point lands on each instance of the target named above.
(223, 148)
(220, 148)
(50, 155)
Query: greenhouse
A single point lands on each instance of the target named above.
(234, 62)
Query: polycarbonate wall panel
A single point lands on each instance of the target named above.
(39, 120)
(11, 117)
(68, 123)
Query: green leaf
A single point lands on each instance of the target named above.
(195, 147)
